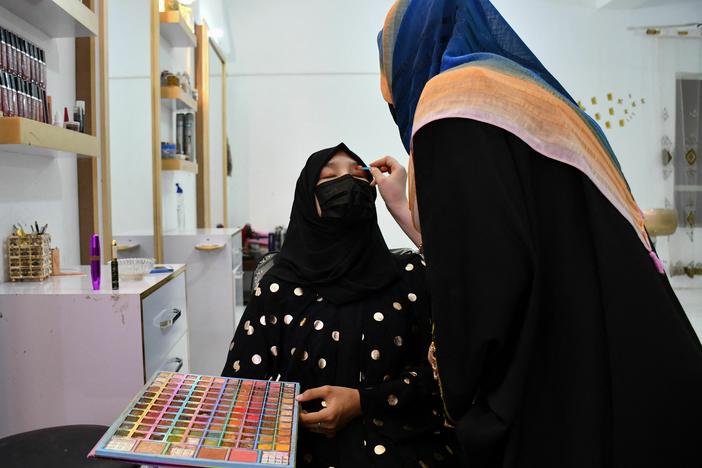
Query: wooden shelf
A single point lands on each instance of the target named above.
(176, 31)
(18, 135)
(183, 100)
(56, 18)
(178, 165)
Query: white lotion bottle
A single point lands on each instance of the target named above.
(180, 207)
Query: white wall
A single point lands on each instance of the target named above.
(312, 81)
(592, 53)
(43, 188)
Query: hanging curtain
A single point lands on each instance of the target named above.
(688, 177)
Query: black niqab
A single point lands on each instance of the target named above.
(342, 261)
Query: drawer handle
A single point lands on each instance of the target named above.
(177, 361)
(209, 247)
(167, 318)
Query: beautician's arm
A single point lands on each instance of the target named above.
(393, 187)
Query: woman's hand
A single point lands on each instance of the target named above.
(392, 187)
(341, 405)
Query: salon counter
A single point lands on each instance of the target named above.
(71, 355)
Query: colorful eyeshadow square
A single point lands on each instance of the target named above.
(243, 456)
(120, 444)
(152, 448)
(213, 453)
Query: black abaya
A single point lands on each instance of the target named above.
(558, 343)
(377, 344)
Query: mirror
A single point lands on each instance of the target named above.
(217, 129)
(130, 136)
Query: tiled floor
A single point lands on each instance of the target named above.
(691, 300)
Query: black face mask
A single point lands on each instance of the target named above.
(346, 198)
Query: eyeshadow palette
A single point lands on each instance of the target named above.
(197, 420)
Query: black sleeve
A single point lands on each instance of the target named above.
(480, 252)
(415, 385)
(248, 356)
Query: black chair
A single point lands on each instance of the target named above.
(62, 446)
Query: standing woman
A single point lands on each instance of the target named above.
(559, 340)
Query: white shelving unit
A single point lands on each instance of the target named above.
(176, 31)
(56, 18)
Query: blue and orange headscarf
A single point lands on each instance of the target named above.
(460, 58)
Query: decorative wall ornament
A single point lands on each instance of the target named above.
(612, 109)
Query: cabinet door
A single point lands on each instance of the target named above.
(164, 322)
(178, 358)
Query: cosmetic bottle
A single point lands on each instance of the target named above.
(180, 122)
(11, 53)
(114, 267)
(42, 68)
(4, 96)
(180, 208)
(188, 121)
(3, 50)
(95, 261)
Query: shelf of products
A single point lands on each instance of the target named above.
(176, 31)
(182, 99)
(56, 18)
(178, 165)
(20, 135)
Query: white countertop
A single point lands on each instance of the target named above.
(67, 285)
(205, 232)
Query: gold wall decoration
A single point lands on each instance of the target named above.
(690, 219)
(667, 157)
(691, 157)
(598, 113)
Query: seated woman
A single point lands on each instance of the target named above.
(351, 322)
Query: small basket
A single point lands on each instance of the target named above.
(29, 257)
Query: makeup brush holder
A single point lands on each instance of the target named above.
(29, 257)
